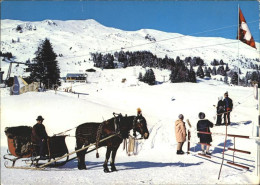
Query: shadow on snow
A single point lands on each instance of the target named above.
(132, 165)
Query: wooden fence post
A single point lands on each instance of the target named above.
(188, 149)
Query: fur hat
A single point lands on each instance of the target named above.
(201, 115)
(39, 118)
(181, 116)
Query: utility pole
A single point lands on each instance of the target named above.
(238, 27)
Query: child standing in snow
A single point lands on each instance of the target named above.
(180, 133)
(220, 110)
(203, 126)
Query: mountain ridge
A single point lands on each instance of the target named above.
(74, 40)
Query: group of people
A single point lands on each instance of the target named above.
(203, 126)
(224, 107)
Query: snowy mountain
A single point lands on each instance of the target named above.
(73, 41)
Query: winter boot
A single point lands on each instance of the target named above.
(179, 152)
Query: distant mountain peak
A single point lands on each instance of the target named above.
(50, 22)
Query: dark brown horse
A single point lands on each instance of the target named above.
(87, 133)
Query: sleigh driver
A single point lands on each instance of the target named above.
(40, 136)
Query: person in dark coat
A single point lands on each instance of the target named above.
(228, 108)
(39, 136)
(220, 110)
(203, 126)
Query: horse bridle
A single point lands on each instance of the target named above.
(134, 126)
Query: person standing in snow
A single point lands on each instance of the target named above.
(39, 136)
(228, 108)
(220, 110)
(203, 126)
(180, 133)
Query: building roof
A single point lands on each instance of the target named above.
(75, 75)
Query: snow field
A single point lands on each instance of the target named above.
(156, 161)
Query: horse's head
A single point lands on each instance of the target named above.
(140, 126)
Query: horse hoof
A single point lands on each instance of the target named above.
(113, 169)
(82, 167)
(106, 170)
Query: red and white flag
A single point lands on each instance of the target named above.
(244, 32)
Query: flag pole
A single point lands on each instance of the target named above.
(238, 48)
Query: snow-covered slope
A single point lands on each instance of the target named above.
(75, 40)
(156, 161)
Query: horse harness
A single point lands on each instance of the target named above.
(117, 121)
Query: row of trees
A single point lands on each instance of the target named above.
(8, 55)
(147, 59)
(207, 71)
(148, 77)
(140, 58)
(180, 72)
(44, 67)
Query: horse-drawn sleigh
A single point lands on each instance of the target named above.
(109, 133)
(20, 146)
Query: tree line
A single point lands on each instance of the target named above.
(181, 70)
(46, 70)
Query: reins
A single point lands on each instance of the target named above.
(62, 133)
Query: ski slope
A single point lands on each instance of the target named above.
(156, 161)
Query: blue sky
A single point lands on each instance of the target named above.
(185, 17)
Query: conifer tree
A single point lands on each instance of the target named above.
(234, 79)
(200, 72)
(149, 77)
(192, 75)
(207, 73)
(46, 69)
(226, 79)
(140, 77)
(214, 71)
(227, 68)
